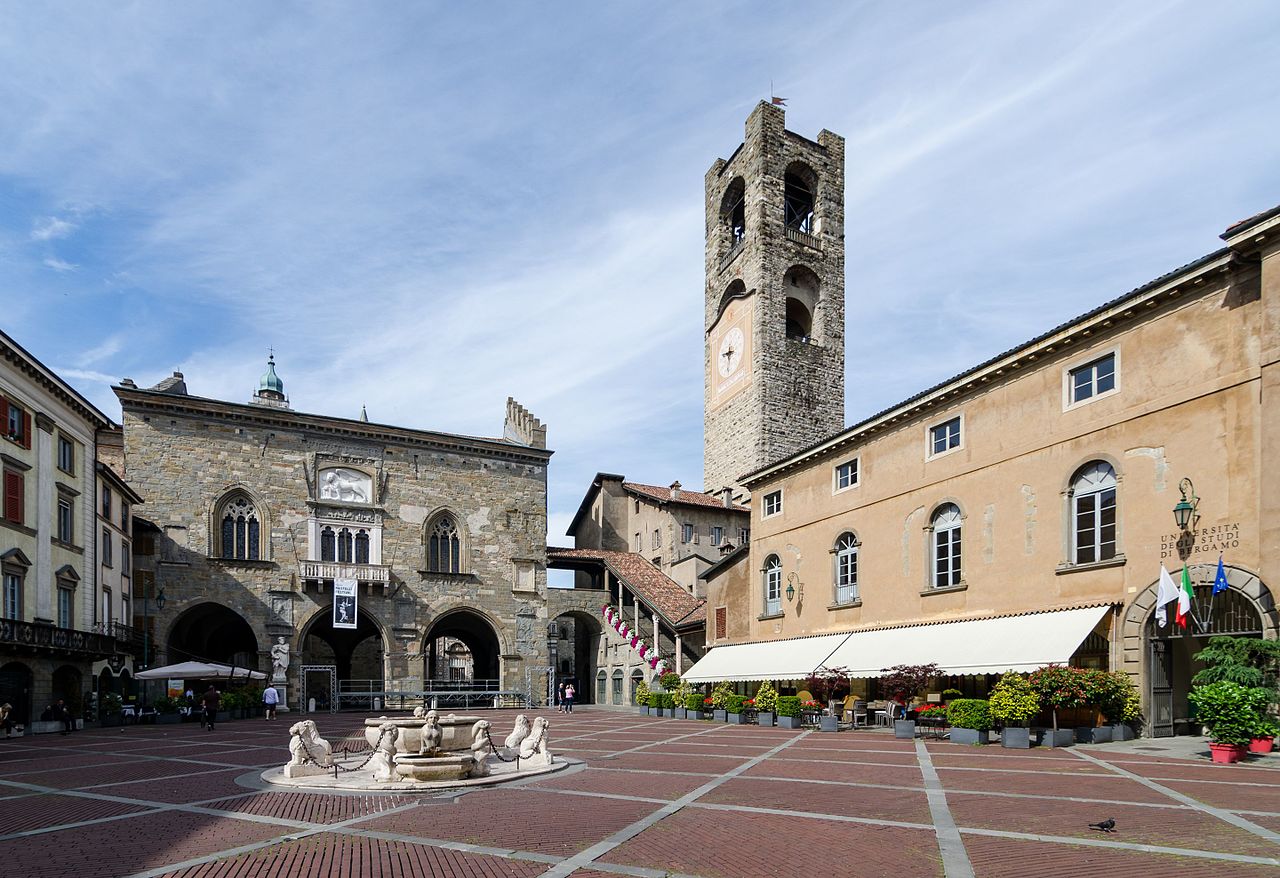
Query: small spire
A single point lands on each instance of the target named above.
(364, 415)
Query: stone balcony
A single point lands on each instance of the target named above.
(41, 637)
(379, 574)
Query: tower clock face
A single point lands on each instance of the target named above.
(730, 355)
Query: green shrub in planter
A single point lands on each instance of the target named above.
(733, 709)
(693, 703)
(970, 713)
(789, 711)
(641, 694)
(767, 698)
(720, 695)
(1012, 705)
(1229, 710)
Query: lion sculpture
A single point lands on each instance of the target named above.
(383, 761)
(519, 733)
(534, 747)
(308, 752)
(481, 745)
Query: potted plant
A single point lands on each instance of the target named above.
(708, 709)
(167, 711)
(112, 708)
(720, 700)
(1231, 713)
(949, 695)
(789, 711)
(829, 685)
(970, 720)
(733, 709)
(766, 704)
(1058, 687)
(693, 705)
(642, 697)
(668, 705)
(1012, 705)
(680, 695)
(1263, 736)
(901, 683)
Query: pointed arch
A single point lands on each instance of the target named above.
(445, 543)
(239, 526)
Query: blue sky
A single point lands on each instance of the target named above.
(427, 208)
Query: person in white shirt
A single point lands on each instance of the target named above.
(270, 698)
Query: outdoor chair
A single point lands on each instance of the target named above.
(857, 712)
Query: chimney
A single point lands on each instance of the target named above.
(675, 490)
(728, 497)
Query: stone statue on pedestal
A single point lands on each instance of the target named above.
(279, 660)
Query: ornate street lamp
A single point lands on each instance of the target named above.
(1184, 512)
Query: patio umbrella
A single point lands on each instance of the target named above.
(199, 671)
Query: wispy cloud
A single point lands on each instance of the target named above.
(50, 228)
(59, 265)
(110, 346)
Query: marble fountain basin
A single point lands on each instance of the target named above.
(455, 732)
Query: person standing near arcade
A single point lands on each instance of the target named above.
(568, 697)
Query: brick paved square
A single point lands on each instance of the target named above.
(904, 806)
(25, 813)
(635, 783)
(1017, 858)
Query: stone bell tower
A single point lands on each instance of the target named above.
(774, 298)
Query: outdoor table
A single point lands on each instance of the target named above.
(933, 726)
(809, 717)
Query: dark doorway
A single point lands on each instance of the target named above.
(582, 633)
(213, 633)
(68, 684)
(355, 652)
(15, 690)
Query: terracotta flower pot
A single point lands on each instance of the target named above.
(1261, 745)
(1226, 754)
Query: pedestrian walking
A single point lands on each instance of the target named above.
(63, 715)
(560, 697)
(6, 719)
(568, 698)
(270, 698)
(212, 701)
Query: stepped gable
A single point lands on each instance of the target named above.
(656, 588)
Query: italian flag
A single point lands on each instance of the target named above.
(1184, 599)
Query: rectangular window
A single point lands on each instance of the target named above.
(106, 608)
(657, 538)
(124, 559)
(66, 455)
(106, 547)
(14, 426)
(722, 623)
(17, 423)
(773, 591)
(1092, 379)
(772, 503)
(847, 474)
(744, 536)
(66, 603)
(14, 496)
(106, 502)
(847, 574)
(944, 437)
(12, 596)
(717, 535)
(946, 557)
(686, 533)
(1096, 526)
(66, 520)
(639, 544)
(124, 516)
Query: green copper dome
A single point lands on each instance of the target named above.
(270, 380)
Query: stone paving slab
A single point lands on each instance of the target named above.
(1017, 858)
(908, 806)
(43, 810)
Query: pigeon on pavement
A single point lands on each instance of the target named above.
(1108, 825)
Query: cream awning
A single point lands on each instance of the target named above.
(979, 646)
(791, 659)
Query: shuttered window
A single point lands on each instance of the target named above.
(13, 496)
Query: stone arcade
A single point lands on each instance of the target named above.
(260, 509)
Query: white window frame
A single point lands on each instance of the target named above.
(70, 535)
(688, 533)
(68, 443)
(107, 557)
(955, 548)
(717, 535)
(1068, 382)
(67, 612)
(764, 504)
(856, 463)
(841, 553)
(1076, 496)
(930, 454)
(772, 586)
(13, 587)
(744, 535)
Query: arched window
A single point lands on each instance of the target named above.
(444, 548)
(772, 586)
(801, 287)
(617, 688)
(1093, 512)
(637, 677)
(846, 569)
(601, 683)
(241, 529)
(798, 186)
(946, 545)
(362, 547)
(328, 545)
(733, 212)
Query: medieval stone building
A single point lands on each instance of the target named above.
(261, 512)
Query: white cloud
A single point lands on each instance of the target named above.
(59, 265)
(50, 228)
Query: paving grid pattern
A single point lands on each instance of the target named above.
(655, 798)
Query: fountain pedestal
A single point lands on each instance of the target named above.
(448, 767)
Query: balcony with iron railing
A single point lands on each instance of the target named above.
(43, 636)
(376, 573)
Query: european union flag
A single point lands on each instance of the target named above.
(1220, 581)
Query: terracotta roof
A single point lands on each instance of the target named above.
(654, 587)
(681, 496)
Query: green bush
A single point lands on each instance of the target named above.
(641, 694)
(733, 704)
(693, 701)
(767, 697)
(951, 694)
(1231, 711)
(1013, 702)
(789, 705)
(167, 705)
(111, 702)
(682, 691)
(669, 681)
(720, 695)
(665, 701)
(970, 713)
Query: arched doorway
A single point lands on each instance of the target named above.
(211, 632)
(1164, 657)
(579, 654)
(461, 651)
(15, 690)
(356, 653)
(637, 677)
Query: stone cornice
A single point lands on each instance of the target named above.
(42, 375)
(138, 401)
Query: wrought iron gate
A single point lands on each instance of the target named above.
(1161, 689)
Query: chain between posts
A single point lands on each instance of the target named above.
(310, 757)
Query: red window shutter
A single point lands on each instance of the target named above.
(26, 429)
(721, 623)
(13, 497)
(4, 416)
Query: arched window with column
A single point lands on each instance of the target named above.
(239, 528)
(444, 545)
(947, 538)
(1093, 513)
(846, 572)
